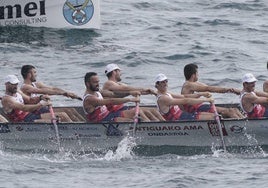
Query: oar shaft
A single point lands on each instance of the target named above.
(217, 118)
(136, 118)
(54, 121)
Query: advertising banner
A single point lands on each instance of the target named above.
(50, 13)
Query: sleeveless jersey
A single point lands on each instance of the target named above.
(173, 113)
(257, 111)
(17, 115)
(99, 113)
(32, 94)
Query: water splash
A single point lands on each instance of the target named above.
(123, 151)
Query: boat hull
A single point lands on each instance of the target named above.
(102, 136)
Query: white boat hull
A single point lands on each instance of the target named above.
(94, 137)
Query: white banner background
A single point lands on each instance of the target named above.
(51, 13)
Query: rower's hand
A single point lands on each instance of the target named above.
(211, 100)
(45, 103)
(205, 94)
(135, 99)
(148, 91)
(45, 97)
(135, 93)
(235, 91)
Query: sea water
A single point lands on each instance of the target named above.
(226, 39)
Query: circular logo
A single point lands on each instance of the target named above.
(78, 12)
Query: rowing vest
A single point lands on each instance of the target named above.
(99, 113)
(17, 115)
(173, 113)
(32, 94)
(257, 111)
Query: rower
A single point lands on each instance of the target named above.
(192, 85)
(16, 110)
(253, 103)
(168, 103)
(114, 84)
(94, 104)
(32, 88)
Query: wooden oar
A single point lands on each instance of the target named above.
(217, 118)
(136, 117)
(54, 121)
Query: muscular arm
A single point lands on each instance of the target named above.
(91, 102)
(257, 100)
(42, 89)
(120, 88)
(191, 95)
(192, 87)
(118, 94)
(169, 101)
(9, 104)
(261, 94)
(112, 86)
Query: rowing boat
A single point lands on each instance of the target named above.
(86, 136)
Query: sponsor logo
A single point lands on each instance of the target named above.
(78, 12)
(237, 129)
(30, 9)
(214, 128)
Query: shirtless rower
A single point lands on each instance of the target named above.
(192, 85)
(113, 73)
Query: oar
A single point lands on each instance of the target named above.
(136, 117)
(73, 96)
(79, 98)
(54, 121)
(217, 118)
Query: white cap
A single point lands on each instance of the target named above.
(111, 67)
(249, 78)
(11, 79)
(160, 77)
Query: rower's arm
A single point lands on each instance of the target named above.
(9, 104)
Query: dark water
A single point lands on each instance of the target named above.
(225, 38)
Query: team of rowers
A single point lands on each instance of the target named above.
(30, 102)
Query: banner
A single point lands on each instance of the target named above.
(50, 13)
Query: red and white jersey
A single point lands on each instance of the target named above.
(173, 113)
(17, 115)
(99, 113)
